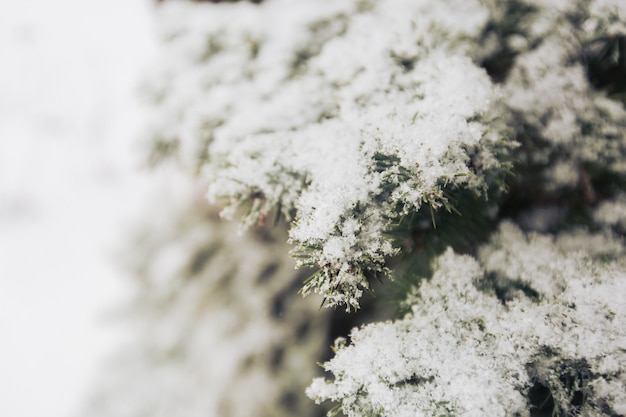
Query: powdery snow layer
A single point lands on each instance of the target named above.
(533, 309)
(345, 114)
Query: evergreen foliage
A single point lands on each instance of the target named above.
(472, 151)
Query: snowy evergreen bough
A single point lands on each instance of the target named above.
(344, 116)
(472, 150)
(537, 323)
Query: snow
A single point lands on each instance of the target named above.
(68, 186)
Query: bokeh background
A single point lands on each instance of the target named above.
(69, 186)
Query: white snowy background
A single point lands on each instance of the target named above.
(69, 184)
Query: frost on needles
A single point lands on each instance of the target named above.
(365, 116)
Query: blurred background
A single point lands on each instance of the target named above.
(69, 185)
